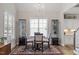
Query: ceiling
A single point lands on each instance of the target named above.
(55, 7)
(42, 9)
(73, 10)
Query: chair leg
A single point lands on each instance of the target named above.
(25, 47)
(42, 47)
(48, 45)
(32, 45)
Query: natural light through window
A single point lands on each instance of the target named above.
(38, 25)
(9, 26)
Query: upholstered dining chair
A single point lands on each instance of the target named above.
(29, 42)
(47, 41)
(38, 41)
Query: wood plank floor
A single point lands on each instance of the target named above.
(67, 50)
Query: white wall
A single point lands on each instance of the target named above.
(67, 6)
(1, 20)
(10, 9)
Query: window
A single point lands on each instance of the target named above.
(9, 26)
(38, 25)
(43, 26)
(5, 24)
(33, 26)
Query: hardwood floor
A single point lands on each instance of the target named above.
(67, 50)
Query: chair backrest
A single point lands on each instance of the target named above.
(38, 37)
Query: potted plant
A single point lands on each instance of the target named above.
(2, 39)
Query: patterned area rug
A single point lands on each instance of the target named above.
(54, 50)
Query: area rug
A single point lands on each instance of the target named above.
(54, 50)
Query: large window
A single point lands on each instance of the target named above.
(9, 26)
(38, 25)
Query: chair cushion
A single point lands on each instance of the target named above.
(45, 39)
(31, 39)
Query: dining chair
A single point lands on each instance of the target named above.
(38, 41)
(29, 42)
(47, 41)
